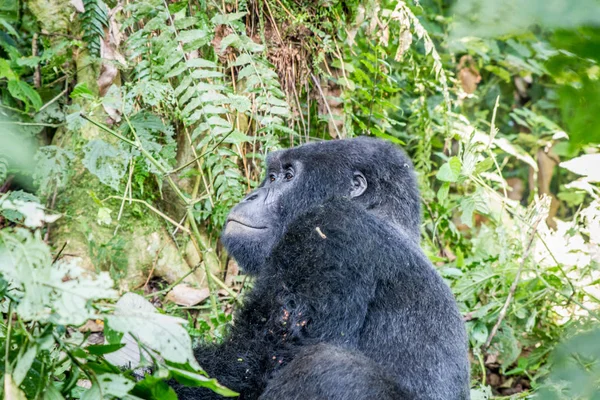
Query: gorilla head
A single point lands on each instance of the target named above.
(372, 173)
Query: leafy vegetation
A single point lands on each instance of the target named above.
(127, 132)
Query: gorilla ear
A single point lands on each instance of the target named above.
(359, 185)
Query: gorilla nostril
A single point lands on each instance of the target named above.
(252, 197)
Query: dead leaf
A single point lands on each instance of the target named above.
(404, 42)
(186, 295)
(468, 74)
(92, 326)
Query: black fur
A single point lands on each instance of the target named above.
(345, 303)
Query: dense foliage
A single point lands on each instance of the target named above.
(129, 129)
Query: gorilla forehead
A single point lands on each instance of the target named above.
(392, 190)
(377, 159)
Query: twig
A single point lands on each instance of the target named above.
(177, 282)
(513, 287)
(54, 99)
(57, 256)
(153, 268)
(52, 204)
(156, 210)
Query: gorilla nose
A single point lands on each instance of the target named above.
(259, 194)
(252, 197)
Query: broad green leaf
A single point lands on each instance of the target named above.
(587, 165)
(450, 171)
(111, 385)
(162, 333)
(22, 91)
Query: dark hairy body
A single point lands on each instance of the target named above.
(345, 304)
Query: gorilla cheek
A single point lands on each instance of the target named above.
(249, 247)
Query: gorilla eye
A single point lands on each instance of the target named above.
(288, 176)
(272, 178)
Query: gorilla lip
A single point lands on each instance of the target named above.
(244, 224)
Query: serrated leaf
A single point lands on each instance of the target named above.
(193, 34)
(240, 103)
(205, 74)
(111, 385)
(200, 63)
(242, 59)
(107, 162)
(232, 40)
(225, 19)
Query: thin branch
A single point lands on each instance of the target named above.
(156, 210)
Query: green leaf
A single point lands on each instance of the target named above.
(106, 161)
(200, 63)
(6, 71)
(111, 385)
(154, 388)
(81, 90)
(100, 349)
(225, 19)
(162, 333)
(442, 193)
(194, 379)
(22, 91)
(484, 165)
(194, 34)
(240, 103)
(52, 393)
(450, 171)
(586, 165)
(499, 72)
(24, 364)
(60, 293)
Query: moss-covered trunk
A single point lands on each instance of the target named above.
(134, 246)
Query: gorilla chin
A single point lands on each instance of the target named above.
(345, 304)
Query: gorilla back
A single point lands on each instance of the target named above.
(345, 304)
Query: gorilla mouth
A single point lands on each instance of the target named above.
(245, 224)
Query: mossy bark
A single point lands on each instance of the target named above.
(137, 245)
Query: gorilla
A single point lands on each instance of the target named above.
(345, 304)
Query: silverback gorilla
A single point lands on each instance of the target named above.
(345, 304)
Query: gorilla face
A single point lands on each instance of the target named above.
(304, 177)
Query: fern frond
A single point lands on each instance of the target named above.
(94, 19)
